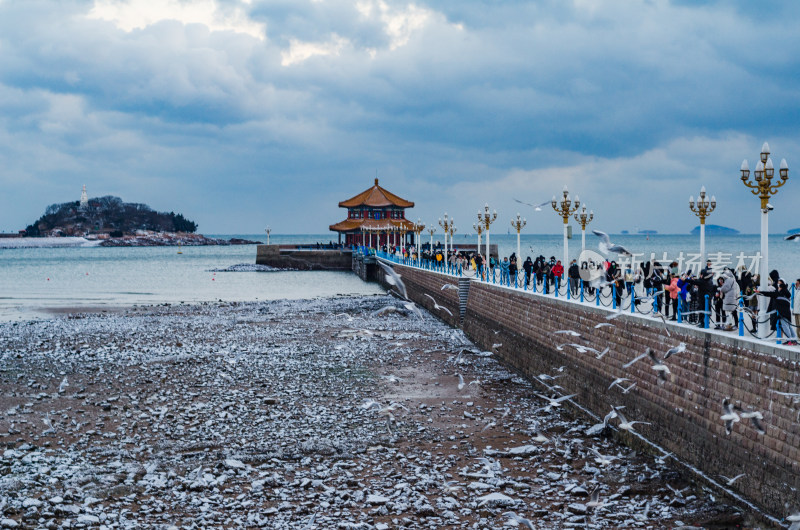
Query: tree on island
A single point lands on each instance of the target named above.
(109, 215)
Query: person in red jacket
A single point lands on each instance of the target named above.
(558, 271)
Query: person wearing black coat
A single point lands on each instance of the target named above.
(781, 300)
(574, 275)
(527, 266)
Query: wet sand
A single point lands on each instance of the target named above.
(252, 415)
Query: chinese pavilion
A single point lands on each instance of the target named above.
(375, 217)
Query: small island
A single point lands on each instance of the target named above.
(715, 230)
(116, 223)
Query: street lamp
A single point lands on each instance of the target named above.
(487, 219)
(446, 227)
(479, 230)
(565, 208)
(702, 209)
(431, 231)
(584, 219)
(418, 228)
(453, 230)
(763, 188)
(268, 230)
(517, 224)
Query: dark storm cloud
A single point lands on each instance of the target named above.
(485, 99)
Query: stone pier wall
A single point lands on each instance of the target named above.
(281, 257)
(683, 411)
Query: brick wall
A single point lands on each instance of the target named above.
(684, 411)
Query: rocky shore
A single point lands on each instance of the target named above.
(170, 239)
(330, 413)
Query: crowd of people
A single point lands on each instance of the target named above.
(711, 295)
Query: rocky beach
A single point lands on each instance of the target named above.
(350, 412)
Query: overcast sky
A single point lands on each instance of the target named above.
(241, 114)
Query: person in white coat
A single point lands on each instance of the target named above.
(730, 297)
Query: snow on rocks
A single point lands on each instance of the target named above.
(267, 415)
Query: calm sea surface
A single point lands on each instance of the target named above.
(35, 281)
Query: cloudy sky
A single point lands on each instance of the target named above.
(244, 113)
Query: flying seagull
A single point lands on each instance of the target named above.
(392, 278)
(64, 384)
(638, 358)
(753, 416)
(626, 425)
(730, 481)
(607, 246)
(460, 382)
(680, 348)
(437, 306)
(729, 416)
(449, 286)
(536, 207)
(659, 365)
(554, 402)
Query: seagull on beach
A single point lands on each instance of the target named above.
(594, 500)
(607, 246)
(536, 207)
(437, 306)
(62, 387)
(520, 520)
(461, 384)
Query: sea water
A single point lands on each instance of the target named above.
(36, 281)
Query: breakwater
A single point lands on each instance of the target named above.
(304, 258)
(683, 410)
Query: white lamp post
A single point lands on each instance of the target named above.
(479, 230)
(565, 208)
(702, 209)
(584, 219)
(518, 224)
(487, 219)
(431, 231)
(268, 230)
(446, 227)
(418, 228)
(764, 188)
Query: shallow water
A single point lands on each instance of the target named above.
(36, 281)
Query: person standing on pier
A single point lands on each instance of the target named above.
(796, 304)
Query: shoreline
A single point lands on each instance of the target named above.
(250, 414)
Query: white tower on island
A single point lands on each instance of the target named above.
(84, 199)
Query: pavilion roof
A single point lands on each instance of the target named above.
(350, 225)
(376, 197)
